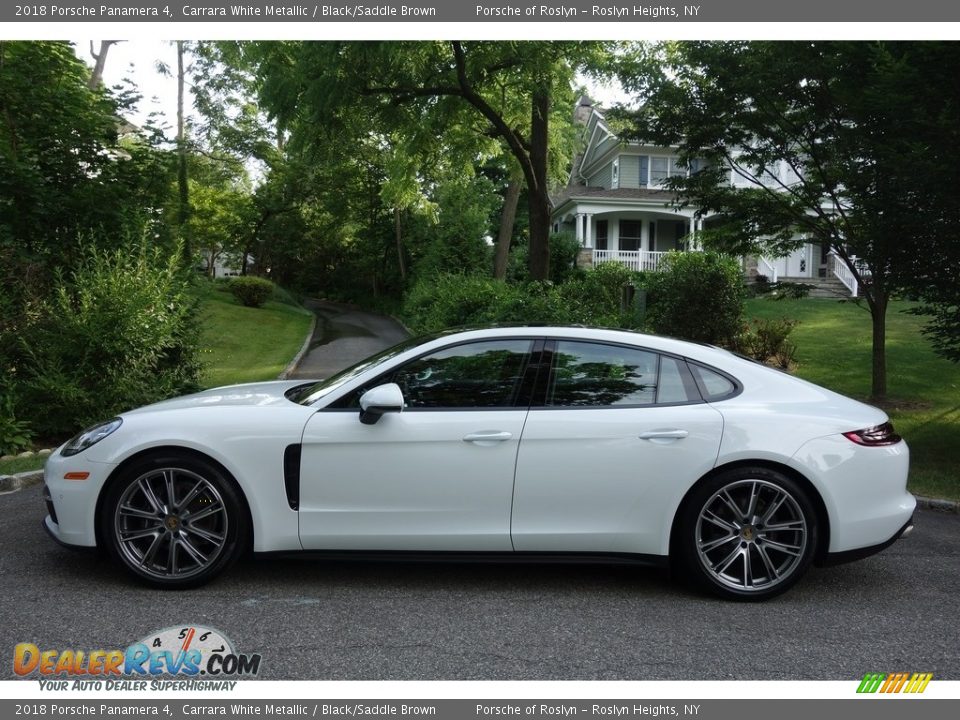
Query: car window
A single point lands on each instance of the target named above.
(713, 385)
(598, 375)
(483, 374)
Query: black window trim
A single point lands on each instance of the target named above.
(550, 347)
(527, 382)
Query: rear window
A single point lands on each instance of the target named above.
(713, 385)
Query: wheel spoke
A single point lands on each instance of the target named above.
(789, 525)
(725, 496)
(712, 517)
(198, 557)
(747, 568)
(714, 544)
(152, 550)
(153, 530)
(151, 497)
(726, 562)
(783, 547)
(172, 556)
(772, 573)
(194, 491)
(171, 490)
(774, 506)
(206, 512)
(129, 510)
(752, 504)
(204, 534)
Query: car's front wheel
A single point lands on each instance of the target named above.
(747, 534)
(174, 521)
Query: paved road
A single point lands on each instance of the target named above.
(344, 335)
(314, 619)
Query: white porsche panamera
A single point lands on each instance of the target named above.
(527, 442)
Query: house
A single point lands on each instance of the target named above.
(616, 205)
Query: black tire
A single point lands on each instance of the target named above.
(180, 543)
(741, 551)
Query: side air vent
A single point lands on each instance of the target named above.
(291, 475)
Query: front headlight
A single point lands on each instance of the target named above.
(91, 436)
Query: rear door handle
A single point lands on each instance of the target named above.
(664, 435)
(487, 436)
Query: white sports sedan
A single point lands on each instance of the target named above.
(528, 442)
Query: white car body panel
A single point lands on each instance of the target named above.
(410, 482)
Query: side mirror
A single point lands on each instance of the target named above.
(379, 400)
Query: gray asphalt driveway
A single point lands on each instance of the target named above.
(344, 336)
(320, 619)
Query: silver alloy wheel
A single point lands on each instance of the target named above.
(751, 535)
(171, 523)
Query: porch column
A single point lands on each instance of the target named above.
(580, 229)
(588, 241)
(645, 235)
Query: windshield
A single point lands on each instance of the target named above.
(312, 393)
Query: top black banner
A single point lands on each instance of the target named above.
(493, 11)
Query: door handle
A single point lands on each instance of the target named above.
(664, 435)
(487, 436)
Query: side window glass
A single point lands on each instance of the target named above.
(675, 385)
(590, 375)
(475, 375)
(713, 385)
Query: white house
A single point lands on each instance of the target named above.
(616, 205)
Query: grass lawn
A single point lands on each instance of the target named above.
(833, 349)
(19, 465)
(244, 344)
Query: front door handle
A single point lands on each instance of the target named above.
(487, 436)
(664, 435)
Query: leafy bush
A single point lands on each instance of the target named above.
(15, 435)
(251, 291)
(452, 300)
(119, 332)
(696, 296)
(791, 290)
(767, 341)
(564, 249)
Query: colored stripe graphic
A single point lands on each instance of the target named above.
(894, 682)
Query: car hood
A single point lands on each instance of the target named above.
(249, 394)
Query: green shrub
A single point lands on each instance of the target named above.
(767, 341)
(15, 435)
(251, 291)
(790, 290)
(119, 332)
(696, 296)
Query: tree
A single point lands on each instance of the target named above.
(828, 137)
(471, 98)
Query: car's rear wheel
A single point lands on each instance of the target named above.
(174, 521)
(748, 533)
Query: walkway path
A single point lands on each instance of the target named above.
(344, 336)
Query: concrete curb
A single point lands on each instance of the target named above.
(951, 506)
(402, 324)
(292, 365)
(13, 483)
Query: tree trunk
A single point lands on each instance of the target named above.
(878, 313)
(183, 213)
(539, 200)
(96, 77)
(399, 238)
(511, 198)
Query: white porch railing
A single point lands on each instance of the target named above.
(633, 259)
(840, 270)
(765, 267)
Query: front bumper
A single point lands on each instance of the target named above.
(72, 504)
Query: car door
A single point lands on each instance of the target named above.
(615, 439)
(436, 476)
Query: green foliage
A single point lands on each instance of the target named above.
(118, 332)
(766, 341)
(15, 435)
(943, 328)
(453, 300)
(696, 296)
(790, 290)
(564, 249)
(251, 291)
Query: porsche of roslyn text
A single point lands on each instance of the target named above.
(531, 443)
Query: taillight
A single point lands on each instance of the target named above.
(874, 436)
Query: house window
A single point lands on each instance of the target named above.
(662, 168)
(601, 242)
(630, 234)
(615, 179)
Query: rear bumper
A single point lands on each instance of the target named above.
(838, 558)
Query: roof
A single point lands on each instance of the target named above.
(584, 192)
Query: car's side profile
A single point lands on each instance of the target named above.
(527, 441)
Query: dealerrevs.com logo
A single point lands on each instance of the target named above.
(189, 651)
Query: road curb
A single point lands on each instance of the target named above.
(292, 365)
(951, 506)
(12, 483)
